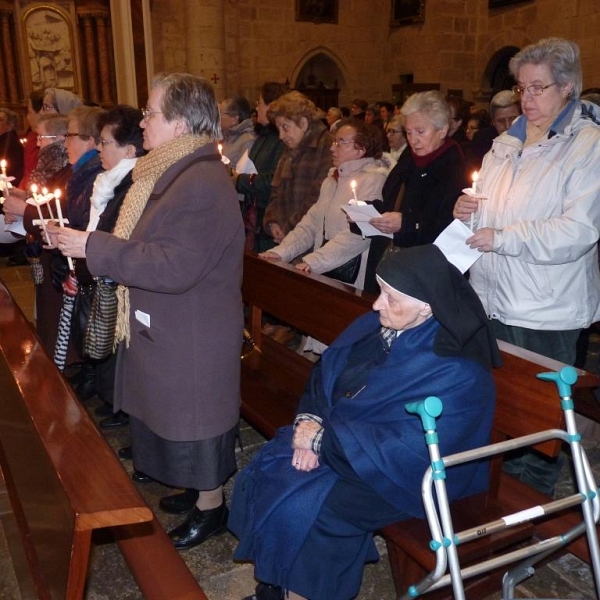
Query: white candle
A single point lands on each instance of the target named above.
(474, 178)
(220, 147)
(61, 222)
(36, 199)
(353, 186)
(3, 167)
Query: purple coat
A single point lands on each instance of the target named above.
(183, 265)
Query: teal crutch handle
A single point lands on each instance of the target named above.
(428, 410)
(563, 379)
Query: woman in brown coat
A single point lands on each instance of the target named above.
(177, 252)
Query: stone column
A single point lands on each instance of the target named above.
(9, 86)
(205, 37)
(104, 58)
(90, 57)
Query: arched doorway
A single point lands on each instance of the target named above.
(497, 72)
(320, 78)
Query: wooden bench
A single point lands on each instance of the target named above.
(273, 377)
(61, 482)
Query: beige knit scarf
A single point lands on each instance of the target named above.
(146, 173)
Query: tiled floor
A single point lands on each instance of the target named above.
(222, 579)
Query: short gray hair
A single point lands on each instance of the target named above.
(192, 100)
(432, 104)
(504, 99)
(56, 124)
(560, 55)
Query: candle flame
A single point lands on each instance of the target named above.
(475, 176)
(220, 147)
(33, 188)
(45, 191)
(57, 193)
(2, 164)
(353, 184)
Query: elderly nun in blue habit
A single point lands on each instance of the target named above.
(306, 507)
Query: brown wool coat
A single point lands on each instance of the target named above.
(183, 266)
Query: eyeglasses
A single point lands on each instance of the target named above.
(535, 89)
(393, 131)
(72, 135)
(104, 142)
(147, 114)
(46, 137)
(341, 142)
(48, 108)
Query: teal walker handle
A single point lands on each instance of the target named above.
(563, 379)
(429, 410)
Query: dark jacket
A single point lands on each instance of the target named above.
(429, 196)
(79, 190)
(180, 374)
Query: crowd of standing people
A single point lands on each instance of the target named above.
(161, 203)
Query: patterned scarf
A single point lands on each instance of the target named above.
(51, 159)
(146, 173)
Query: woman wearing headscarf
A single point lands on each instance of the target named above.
(306, 508)
(60, 101)
(177, 251)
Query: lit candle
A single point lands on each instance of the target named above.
(220, 147)
(474, 178)
(3, 167)
(4, 188)
(61, 222)
(353, 186)
(36, 199)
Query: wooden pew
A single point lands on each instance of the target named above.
(273, 377)
(62, 481)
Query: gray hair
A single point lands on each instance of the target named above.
(504, 99)
(192, 100)
(87, 119)
(432, 104)
(560, 55)
(56, 124)
(396, 120)
(237, 106)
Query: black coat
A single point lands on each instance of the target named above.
(429, 197)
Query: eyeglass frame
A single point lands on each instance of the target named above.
(46, 137)
(72, 135)
(48, 107)
(342, 142)
(104, 142)
(519, 90)
(391, 131)
(148, 114)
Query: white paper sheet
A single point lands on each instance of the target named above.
(245, 165)
(16, 227)
(452, 243)
(361, 214)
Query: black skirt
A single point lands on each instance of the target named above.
(197, 464)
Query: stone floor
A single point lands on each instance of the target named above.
(222, 579)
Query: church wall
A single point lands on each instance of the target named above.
(453, 46)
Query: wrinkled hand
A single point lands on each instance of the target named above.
(51, 241)
(305, 460)
(302, 266)
(482, 239)
(388, 222)
(303, 435)
(15, 203)
(269, 255)
(276, 232)
(464, 206)
(71, 242)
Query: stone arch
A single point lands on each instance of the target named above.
(496, 56)
(319, 69)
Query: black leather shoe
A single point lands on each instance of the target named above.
(178, 504)
(126, 453)
(119, 419)
(264, 591)
(199, 526)
(140, 477)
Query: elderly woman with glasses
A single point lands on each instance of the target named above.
(323, 231)
(536, 216)
(396, 137)
(177, 252)
(421, 190)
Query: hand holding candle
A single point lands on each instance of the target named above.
(36, 200)
(61, 222)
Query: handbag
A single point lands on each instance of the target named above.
(99, 336)
(79, 319)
